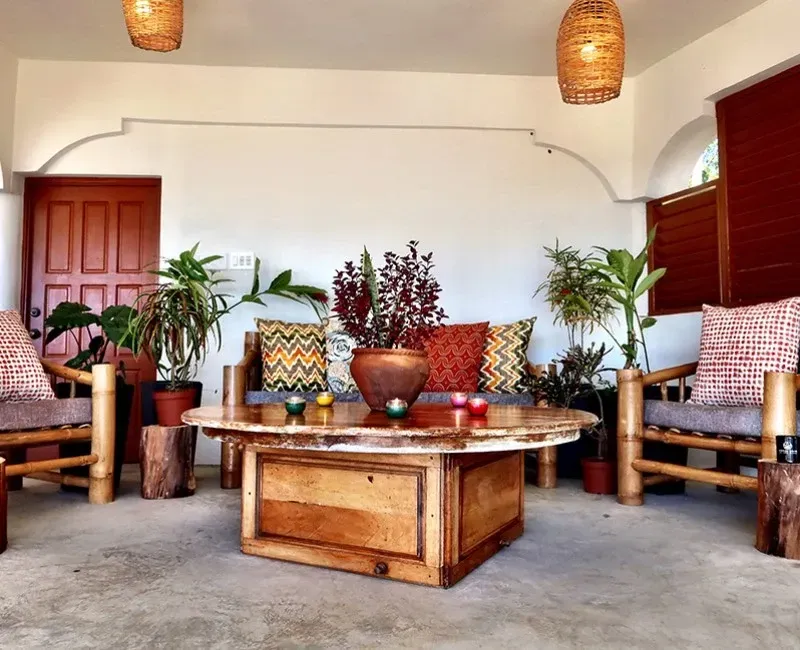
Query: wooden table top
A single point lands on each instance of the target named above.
(428, 428)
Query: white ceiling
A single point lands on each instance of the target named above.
(478, 36)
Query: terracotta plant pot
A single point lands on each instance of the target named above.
(382, 375)
(599, 476)
(171, 404)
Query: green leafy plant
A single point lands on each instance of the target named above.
(179, 318)
(623, 276)
(576, 293)
(579, 374)
(98, 331)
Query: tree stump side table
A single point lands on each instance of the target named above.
(778, 530)
(166, 461)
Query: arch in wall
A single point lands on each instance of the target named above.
(673, 168)
(604, 181)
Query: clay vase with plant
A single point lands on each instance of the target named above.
(390, 313)
(179, 320)
(93, 334)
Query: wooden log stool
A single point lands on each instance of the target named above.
(166, 461)
(778, 530)
(3, 506)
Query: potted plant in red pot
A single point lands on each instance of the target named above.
(390, 313)
(179, 318)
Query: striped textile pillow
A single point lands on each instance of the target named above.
(504, 366)
(293, 356)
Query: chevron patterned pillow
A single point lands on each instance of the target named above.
(293, 356)
(504, 367)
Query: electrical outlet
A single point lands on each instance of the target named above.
(242, 261)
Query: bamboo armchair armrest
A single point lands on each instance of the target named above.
(668, 374)
(251, 357)
(70, 374)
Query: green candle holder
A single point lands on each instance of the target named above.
(295, 405)
(396, 408)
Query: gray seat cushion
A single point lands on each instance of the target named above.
(723, 420)
(20, 416)
(265, 397)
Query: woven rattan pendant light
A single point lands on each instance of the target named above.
(154, 24)
(591, 52)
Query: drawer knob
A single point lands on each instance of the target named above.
(381, 569)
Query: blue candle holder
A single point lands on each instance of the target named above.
(396, 408)
(295, 405)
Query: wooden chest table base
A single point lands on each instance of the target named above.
(427, 519)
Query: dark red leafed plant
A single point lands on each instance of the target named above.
(393, 307)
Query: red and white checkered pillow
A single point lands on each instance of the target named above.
(22, 378)
(737, 346)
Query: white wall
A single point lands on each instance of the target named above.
(61, 103)
(308, 199)
(8, 85)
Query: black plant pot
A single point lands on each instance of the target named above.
(149, 406)
(124, 394)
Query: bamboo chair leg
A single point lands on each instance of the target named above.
(547, 457)
(3, 506)
(101, 473)
(630, 443)
(731, 463)
(547, 466)
(234, 384)
(779, 413)
(14, 457)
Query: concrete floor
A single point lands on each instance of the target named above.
(588, 573)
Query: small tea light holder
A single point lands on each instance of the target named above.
(325, 399)
(459, 400)
(396, 408)
(295, 405)
(477, 406)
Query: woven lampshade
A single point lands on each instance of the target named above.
(154, 24)
(591, 52)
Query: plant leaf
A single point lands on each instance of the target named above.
(648, 322)
(648, 282)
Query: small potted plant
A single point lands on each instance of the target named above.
(578, 383)
(390, 313)
(179, 318)
(98, 331)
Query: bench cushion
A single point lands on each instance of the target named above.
(742, 421)
(265, 397)
(21, 416)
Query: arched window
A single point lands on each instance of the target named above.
(707, 167)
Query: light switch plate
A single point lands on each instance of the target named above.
(242, 261)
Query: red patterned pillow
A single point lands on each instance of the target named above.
(454, 354)
(22, 378)
(737, 346)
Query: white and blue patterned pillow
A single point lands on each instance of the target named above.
(339, 347)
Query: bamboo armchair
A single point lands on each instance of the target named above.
(246, 375)
(778, 417)
(100, 432)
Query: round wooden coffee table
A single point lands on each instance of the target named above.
(424, 499)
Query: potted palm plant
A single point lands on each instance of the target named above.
(179, 319)
(390, 313)
(585, 292)
(93, 334)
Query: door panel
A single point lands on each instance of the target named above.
(90, 240)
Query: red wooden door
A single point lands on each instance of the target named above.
(90, 240)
